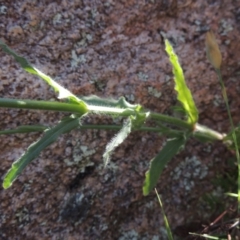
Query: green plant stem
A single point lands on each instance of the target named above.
(39, 105)
(198, 130)
(148, 129)
(117, 127)
(225, 97)
(201, 131)
(74, 108)
(171, 120)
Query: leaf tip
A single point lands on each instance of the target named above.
(6, 184)
(145, 192)
(146, 185)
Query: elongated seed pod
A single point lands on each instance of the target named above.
(213, 52)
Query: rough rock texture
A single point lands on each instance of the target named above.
(112, 48)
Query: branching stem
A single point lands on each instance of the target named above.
(198, 130)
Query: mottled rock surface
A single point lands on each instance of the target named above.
(112, 49)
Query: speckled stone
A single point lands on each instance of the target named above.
(111, 49)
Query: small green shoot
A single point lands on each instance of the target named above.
(136, 117)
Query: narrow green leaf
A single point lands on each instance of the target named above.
(65, 125)
(117, 140)
(158, 163)
(184, 94)
(206, 236)
(63, 92)
(24, 129)
(169, 232)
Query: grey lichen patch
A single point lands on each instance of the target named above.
(167, 78)
(149, 204)
(94, 12)
(154, 92)
(80, 157)
(22, 217)
(108, 172)
(227, 42)
(85, 39)
(200, 26)
(174, 36)
(27, 186)
(110, 166)
(103, 226)
(142, 76)
(225, 26)
(187, 172)
(42, 24)
(99, 84)
(81, 43)
(217, 100)
(3, 218)
(3, 10)
(108, 4)
(132, 234)
(89, 37)
(130, 97)
(76, 59)
(57, 19)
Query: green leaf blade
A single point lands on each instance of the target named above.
(184, 94)
(63, 92)
(158, 163)
(65, 125)
(117, 140)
